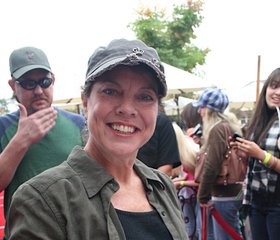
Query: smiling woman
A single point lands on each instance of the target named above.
(121, 111)
(262, 192)
(118, 196)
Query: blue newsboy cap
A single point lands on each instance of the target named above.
(213, 98)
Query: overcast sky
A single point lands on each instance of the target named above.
(236, 31)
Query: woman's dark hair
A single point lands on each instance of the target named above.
(86, 89)
(263, 116)
(190, 116)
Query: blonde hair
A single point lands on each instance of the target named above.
(212, 118)
(188, 149)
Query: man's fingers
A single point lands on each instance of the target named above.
(44, 116)
(22, 110)
(36, 125)
(48, 124)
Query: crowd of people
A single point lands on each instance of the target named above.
(123, 169)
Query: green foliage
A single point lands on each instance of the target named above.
(3, 106)
(172, 36)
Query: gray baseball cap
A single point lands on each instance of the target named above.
(125, 52)
(26, 59)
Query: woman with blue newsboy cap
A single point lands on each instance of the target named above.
(102, 191)
(217, 127)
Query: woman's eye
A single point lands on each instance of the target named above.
(110, 91)
(274, 85)
(146, 97)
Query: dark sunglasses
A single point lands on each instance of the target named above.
(30, 84)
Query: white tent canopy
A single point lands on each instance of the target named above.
(179, 81)
(172, 107)
(244, 97)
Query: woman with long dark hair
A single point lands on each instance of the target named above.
(262, 191)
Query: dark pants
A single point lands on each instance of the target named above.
(265, 222)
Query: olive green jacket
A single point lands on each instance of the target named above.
(72, 201)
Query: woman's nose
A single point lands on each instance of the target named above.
(126, 107)
(277, 90)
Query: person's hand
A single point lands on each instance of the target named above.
(250, 148)
(189, 132)
(209, 204)
(196, 139)
(33, 128)
(240, 152)
(179, 182)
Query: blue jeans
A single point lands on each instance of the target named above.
(210, 234)
(265, 222)
(229, 211)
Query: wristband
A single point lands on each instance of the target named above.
(182, 183)
(273, 162)
(266, 158)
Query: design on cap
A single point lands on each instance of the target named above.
(30, 55)
(156, 62)
(137, 52)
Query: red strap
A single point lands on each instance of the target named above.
(204, 223)
(225, 225)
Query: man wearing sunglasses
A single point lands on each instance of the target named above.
(37, 136)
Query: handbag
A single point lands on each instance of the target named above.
(233, 169)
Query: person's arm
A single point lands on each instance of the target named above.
(211, 169)
(252, 149)
(183, 182)
(31, 217)
(30, 130)
(167, 169)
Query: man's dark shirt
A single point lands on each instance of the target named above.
(162, 148)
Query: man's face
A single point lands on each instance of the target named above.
(37, 98)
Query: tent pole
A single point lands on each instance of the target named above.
(176, 99)
(258, 79)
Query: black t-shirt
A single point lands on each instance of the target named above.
(143, 225)
(162, 148)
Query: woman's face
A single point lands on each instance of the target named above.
(273, 95)
(121, 111)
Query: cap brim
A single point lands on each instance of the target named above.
(18, 73)
(122, 61)
(103, 68)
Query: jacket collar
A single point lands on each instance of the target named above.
(94, 177)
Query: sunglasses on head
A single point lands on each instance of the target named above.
(30, 84)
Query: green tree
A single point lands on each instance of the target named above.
(172, 37)
(3, 106)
